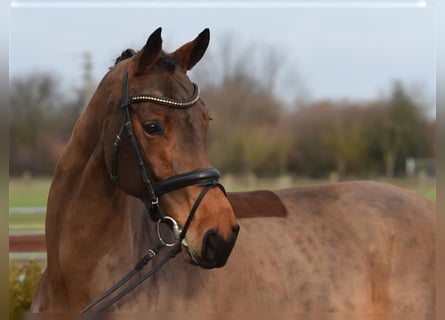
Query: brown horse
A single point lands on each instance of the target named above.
(362, 248)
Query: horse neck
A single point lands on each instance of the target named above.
(87, 215)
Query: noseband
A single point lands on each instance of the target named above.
(206, 178)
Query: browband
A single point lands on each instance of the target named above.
(172, 103)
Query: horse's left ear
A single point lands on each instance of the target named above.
(191, 52)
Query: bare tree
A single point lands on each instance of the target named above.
(254, 66)
(33, 100)
(41, 120)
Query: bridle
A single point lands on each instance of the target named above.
(207, 178)
(199, 177)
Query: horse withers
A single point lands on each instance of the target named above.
(137, 159)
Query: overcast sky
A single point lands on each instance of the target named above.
(338, 53)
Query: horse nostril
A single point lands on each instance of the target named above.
(210, 245)
(216, 249)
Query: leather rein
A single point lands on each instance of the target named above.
(207, 178)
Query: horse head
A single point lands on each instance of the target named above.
(155, 149)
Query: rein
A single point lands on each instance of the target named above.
(151, 253)
(207, 178)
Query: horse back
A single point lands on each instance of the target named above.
(343, 247)
(369, 234)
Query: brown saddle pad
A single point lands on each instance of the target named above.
(261, 203)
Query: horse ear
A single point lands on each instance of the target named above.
(151, 51)
(191, 52)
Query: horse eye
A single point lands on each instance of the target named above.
(153, 127)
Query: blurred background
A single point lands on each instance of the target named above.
(298, 95)
(295, 94)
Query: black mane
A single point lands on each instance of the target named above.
(165, 60)
(126, 54)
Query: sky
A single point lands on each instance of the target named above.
(339, 51)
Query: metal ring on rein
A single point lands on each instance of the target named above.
(175, 227)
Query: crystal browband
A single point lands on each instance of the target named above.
(172, 103)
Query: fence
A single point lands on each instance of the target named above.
(19, 243)
(23, 243)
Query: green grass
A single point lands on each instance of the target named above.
(28, 193)
(425, 188)
(427, 193)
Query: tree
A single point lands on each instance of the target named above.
(241, 136)
(33, 102)
(255, 67)
(42, 118)
(307, 126)
(399, 130)
(245, 136)
(345, 138)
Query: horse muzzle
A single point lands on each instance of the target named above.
(215, 249)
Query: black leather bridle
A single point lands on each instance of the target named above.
(206, 177)
(154, 189)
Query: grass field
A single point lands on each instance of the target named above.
(34, 193)
(28, 192)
